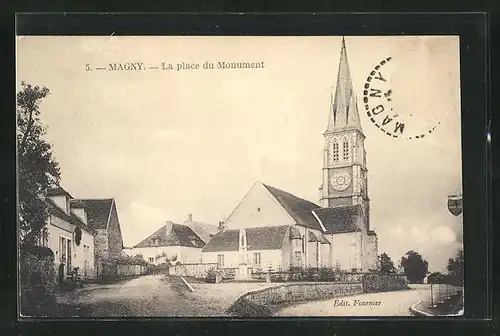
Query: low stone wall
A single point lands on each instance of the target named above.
(263, 302)
(258, 303)
(191, 270)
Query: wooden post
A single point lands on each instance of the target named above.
(432, 302)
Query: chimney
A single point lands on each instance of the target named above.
(221, 226)
(190, 217)
(169, 225)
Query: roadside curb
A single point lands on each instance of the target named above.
(188, 285)
(417, 312)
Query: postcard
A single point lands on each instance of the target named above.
(239, 176)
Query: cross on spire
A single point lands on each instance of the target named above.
(344, 110)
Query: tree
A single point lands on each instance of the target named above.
(455, 269)
(38, 171)
(414, 266)
(386, 264)
(436, 278)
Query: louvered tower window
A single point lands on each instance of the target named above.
(346, 150)
(335, 152)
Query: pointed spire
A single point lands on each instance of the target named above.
(344, 112)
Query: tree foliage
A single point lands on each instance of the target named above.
(455, 268)
(436, 278)
(386, 264)
(414, 266)
(38, 171)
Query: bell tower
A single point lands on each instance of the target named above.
(344, 156)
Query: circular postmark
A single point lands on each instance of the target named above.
(397, 120)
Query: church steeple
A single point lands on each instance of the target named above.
(345, 177)
(343, 108)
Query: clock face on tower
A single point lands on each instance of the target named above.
(340, 181)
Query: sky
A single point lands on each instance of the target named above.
(168, 143)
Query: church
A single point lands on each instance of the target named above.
(273, 229)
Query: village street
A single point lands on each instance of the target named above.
(164, 296)
(155, 296)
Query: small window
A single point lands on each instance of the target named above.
(335, 151)
(303, 244)
(151, 259)
(220, 260)
(256, 258)
(346, 150)
(45, 237)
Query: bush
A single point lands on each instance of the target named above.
(37, 283)
(210, 276)
(326, 274)
(311, 274)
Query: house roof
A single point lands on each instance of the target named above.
(340, 219)
(203, 230)
(266, 238)
(77, 204)
(295, 233)
(173, 235)
(261, 238)
(55, 210)
(226, 240)
(59, 191)
(313, 237)
(98, 211)
(299, 208)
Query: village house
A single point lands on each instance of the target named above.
(172, 242)
(334, 234)
(101, 235)
(102, 216)
(68, 234)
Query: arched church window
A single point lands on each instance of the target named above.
(335, 151)
(346, 150)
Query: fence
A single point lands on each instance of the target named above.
(300, 275)
(107, 270)
(129, 270)
(192, 270)
(438, 293)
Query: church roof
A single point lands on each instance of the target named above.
(172, 234)
(340, 219)
(344, 110)
(300, 209)
(259, 238)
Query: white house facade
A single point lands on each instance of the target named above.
(174, 242)
(68, 235)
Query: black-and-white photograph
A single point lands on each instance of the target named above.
(239, 176)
